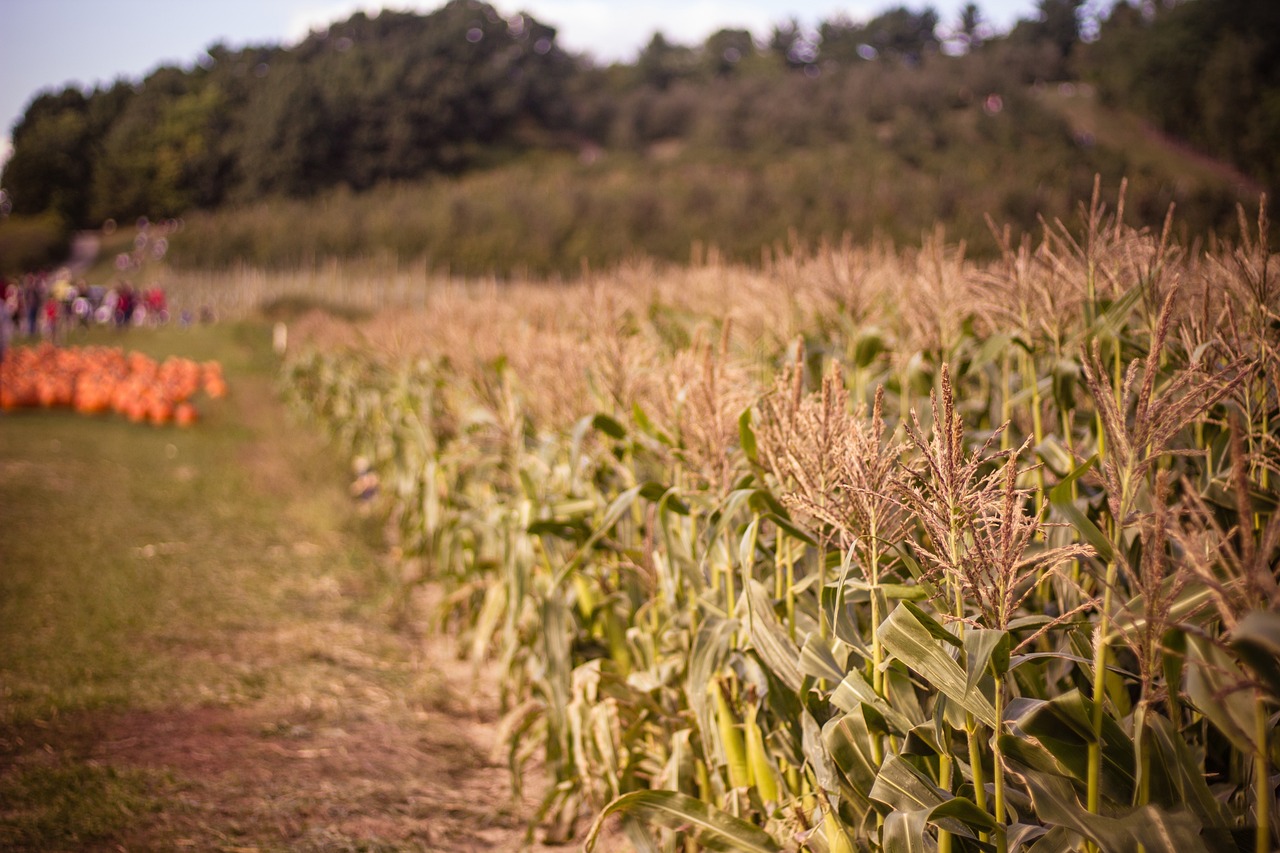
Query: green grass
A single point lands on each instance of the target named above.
(156, 570)
(112, 546)
(75, 805)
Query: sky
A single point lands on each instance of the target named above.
(49, 44)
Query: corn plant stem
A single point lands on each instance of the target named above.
(1264, 478)
(779, 573)
(791, 595)
(1093, 776)
(877, 651)
(1141, 755)
(824, 627)
(957, 603)
(1117, 368)
(997, 768)
(904, 400)
(873, 577)
(1262, 784)
(1094, 766)
(975, 764)
(1037, 423)
(727, 572)
(704, 782)
(944, 777)
(1006, 399)
(1074, 492)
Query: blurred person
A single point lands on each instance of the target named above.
(110, 303)
(156, 305)
(32, 299)
(81, 307)
(11, 303)
(6, 322)
(125, 306)
(52, 312)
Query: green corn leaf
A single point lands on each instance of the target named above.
(710, 647)
(816, 754)
(770, 640)
(1156, 830)
(855, 690)
(891, 591)
(648, 427)
(915, 645)
(671, 501)
(901, 787)
(1020, 835)
(848, 741)
(708, 826)
(1111, 321)
(609, 426)
(639, 836)
(869, 343)
(1063, 727)
(817, 661)
(747, 436)
(904, 832)
(966, 811)
(795, 532)
(1060, 498)
(933, 626)
(747, 545)
(1213, 681)
(612, 515)
(986, 651)
(1056, 457)
(1192, 599)
(1222, 495)
(1176, 776)
(761, 499)
(991, 351)
(1257, 641)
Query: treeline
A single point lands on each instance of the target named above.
(1207, 71)
(908, 99)
(372, 99)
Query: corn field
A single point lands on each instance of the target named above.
(867, 549)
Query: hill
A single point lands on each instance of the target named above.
(473, 142)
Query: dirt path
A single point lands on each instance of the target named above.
(264, 701)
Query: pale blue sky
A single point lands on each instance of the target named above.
(52, 43)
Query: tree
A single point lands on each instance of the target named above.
(791, 45)
(907, 35)
(52, 158)
(1059, 23)
(725, 49)
(840, 40)
(661, 63)
(972, 30)
(1205, 70)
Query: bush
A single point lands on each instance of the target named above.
(31, 242)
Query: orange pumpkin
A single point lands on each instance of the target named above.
(185, 414)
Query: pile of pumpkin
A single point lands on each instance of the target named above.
(94, 380)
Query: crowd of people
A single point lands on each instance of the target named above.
(49, 304)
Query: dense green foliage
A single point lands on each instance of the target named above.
(370, 99)
(1208, 72)
(864, 128)
(31, 242)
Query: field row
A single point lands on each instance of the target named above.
(867, 548)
